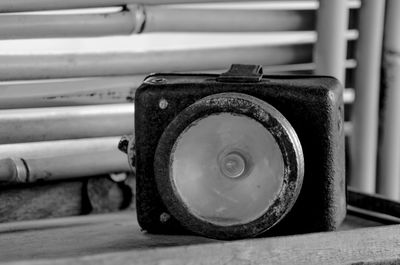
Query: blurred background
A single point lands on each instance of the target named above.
(69, 71)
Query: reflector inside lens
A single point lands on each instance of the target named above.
(227, 168)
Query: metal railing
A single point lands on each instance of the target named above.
(55, 82)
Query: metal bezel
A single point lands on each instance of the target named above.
(273, 121)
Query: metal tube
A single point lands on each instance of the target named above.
(139, 19)
(68, 92)
(19, 67)
(50, 26)
(159, 19)
(389, 155)
(330, 49)
(20, 170)
(38, 5)
(293, 68)
(42, 124)
(60, 147)
(98, 90)
(366, 105)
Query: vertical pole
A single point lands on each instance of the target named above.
(331, 46)
(389, 160)
(366, 105)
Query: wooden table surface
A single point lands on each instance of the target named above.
(117, 239)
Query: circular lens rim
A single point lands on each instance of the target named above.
(284, 135)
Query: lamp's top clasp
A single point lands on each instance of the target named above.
(242, 73)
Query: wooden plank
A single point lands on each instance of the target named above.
(117, 239)
(79, 236)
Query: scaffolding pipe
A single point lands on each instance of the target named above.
(60, 147)
(330, 48)
(21, 170)
(366, 106)
(43, 66)
(68, 92)
(138, 19)
(389, 155)
(161, 19)
(63, 26)
(39, 5)
(98, 90)
(58, 123)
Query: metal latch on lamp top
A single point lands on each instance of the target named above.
(242, 73)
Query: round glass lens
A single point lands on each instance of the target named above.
(227, 168)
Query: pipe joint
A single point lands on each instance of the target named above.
(127, 146)
(21, 174)
(138, 13)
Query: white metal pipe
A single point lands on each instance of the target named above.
(80, 25)
(366, 106)
(57, 123)
(270, 4)
(389, 155)
(21, 170)
(331, 46)
(160, 18)
(97, 90)
(38, 5)
(349, 64)
(60, 147)
(68, 92)
(39, 25)
(139, 19)
(43, 66)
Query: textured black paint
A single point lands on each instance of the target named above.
(313, 106)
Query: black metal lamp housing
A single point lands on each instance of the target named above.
(239, 154)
